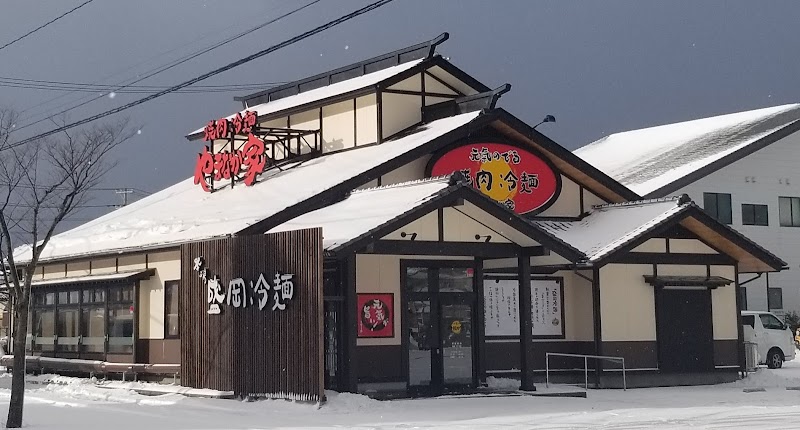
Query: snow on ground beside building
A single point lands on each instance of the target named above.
(72, 403)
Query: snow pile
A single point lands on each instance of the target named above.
(495, 383)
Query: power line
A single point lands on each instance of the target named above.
(46, 24)
(100, 87)
(183, 60)
(106, 90)
(273, 48)
(139, 63)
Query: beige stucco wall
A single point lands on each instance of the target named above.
(723, 304)
(693, 246)
(366, 120)
(338, 131)
(399, 111)
(578, 323)
(409, 172)
(151, 293)
(652, 245)
(627, 303)
(568, 203)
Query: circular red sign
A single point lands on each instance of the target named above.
(510, 175)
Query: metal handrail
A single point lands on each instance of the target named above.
(585, 366)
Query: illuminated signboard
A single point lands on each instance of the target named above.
(513, 176)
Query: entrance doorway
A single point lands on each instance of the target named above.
(439, 299)
(685, 329)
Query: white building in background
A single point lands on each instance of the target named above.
(743, 168)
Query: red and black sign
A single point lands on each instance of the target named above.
(242, 164)
(519, 179)
(375, 315)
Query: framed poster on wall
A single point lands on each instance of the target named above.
(547, 308)
(501, 307)
(375, 315)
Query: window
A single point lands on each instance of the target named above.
(171, 306)
(749, 320)
(769, 321)
(789, 211)
(775, 298)
(718, 205)
(754, 214)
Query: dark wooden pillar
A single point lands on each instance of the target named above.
(598, 327)
(348, 279)
(525, 324)
(480, 324)
(740, 331)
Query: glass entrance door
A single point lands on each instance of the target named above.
(440, 343)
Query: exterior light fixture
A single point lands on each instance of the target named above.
(547, 118)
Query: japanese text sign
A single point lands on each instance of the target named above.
(513, 176)
(239, 293)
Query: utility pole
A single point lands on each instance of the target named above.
(124, 193)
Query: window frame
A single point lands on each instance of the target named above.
(716, 213)
(751, 210)
(176, 285)
(792, 221)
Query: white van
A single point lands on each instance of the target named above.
(774, 338)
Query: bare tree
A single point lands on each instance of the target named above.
(42, 183)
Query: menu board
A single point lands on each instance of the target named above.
(501, 307)
(500, 298)
(546, 303)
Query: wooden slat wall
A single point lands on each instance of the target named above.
(277, 354)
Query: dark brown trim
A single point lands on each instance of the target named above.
(420, 93)
(355, 123)
(726, 160)
(440, 223)
(596, 318)
(582, 210)
(478, 249)
(662, 258)
(460, 74)
(439, 80)
(739, 329)
(525, 323)
(350, 379)
(737, 238)
(167, 284)
(379, 110)
(479, 368)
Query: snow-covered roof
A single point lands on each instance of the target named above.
(365, 210)
(649, 159)
(325, 92)
(609, 227)
(184, 212)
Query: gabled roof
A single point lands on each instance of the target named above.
(326, 92)
(613, 228)
(365, 210)
(657, 161)
(184, 212)
(367, 215)
(609, 227)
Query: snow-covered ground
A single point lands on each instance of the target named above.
(72, 403)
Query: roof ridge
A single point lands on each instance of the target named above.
(680, 200)
(444, 178)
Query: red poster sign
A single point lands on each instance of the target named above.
(375, 315)
(517, 178)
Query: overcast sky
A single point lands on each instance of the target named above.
(599, 67)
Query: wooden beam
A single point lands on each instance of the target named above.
(471, 249)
